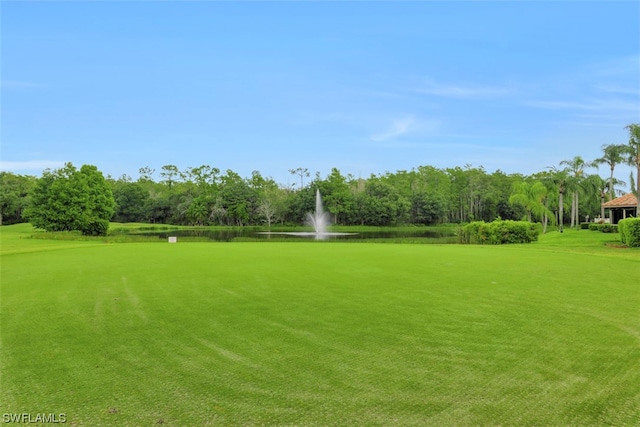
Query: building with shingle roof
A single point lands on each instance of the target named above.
(622, 207)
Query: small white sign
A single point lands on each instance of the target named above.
(173, 239)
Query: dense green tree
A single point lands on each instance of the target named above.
(99, 204)
(423, 195)
(9, 199)
(497, 204)
(336, 195)
(382, 204)
(458, 211)
(14, 191)
(594, 188)
(69, 199)
(131, 202)
(471, 196)
(272, 202)
(633, 156)
(158, 208)
(427, 208)
(528, 195)
(199, 210)
(299, 203)
(426, 189)
(533, 196)
(170, 173)
(238, 199)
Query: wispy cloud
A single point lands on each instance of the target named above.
(29, 165)
(604, 105)
(620, 66)
(618, 89)
(19, 84)
(405, 126)
(462, 91)
(604, 90)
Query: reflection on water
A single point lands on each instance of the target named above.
(255, 233)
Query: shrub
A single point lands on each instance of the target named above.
(622, 229)
(608, 228)
(499, 232)
(629, 230)
(474, 233)
(604, 227)
(584, 225)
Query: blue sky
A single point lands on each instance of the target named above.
(366, 87)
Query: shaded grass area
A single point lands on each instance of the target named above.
(323, 334)
(19, 238)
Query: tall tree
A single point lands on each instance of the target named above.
(612, 155)
(302, 173)
(559, 180)
(131, 200)
(430, 203)
(594, 187)
(336, 195)
(198, 210)
(14, 191)
(170, 173)
(238, 199)
(532, 196)
(633, 156)
(383, 204)
(69, 199)
(146, 174)
(576, 167)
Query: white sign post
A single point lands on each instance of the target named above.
(173, 239)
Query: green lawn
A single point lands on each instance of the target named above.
(321, 333)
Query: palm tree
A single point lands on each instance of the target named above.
(533, 197)
(633, 156)
(594, 188)
(548, 179)
(613, 155)
(576, 166)
(559, 179)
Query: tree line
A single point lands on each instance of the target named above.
(82, 199)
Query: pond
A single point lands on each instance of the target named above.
(424, 235)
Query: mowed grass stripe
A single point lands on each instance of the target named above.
(320, 334)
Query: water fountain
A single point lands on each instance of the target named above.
(319, 220)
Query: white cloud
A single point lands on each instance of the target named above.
(618, 89)
(405, 126)
(18, 84)
(398, 128)
(603, 105)
(600, 94)
(462, 91)
(29, 165)
(620, 66)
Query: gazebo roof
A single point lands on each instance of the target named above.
(627, 201)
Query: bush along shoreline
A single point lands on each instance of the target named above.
(499, 232)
